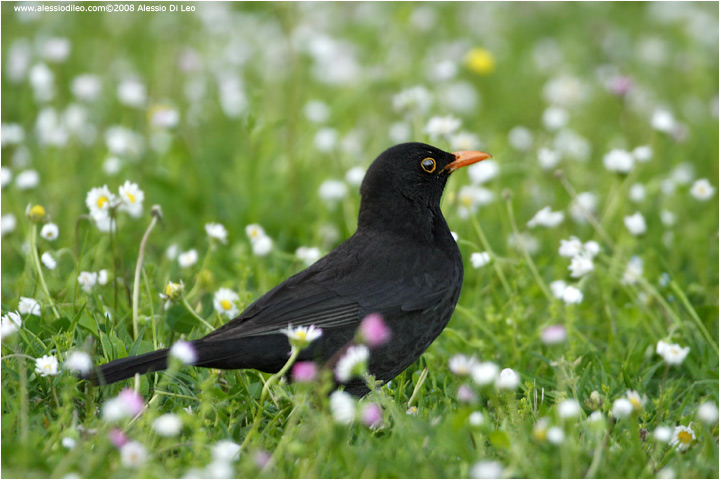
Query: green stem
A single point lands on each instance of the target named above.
(486, 246)
(38, 267)
(192, 312)
(586, 213)
(193, 290)
(136, 282)
(694, 315)
(528, 259)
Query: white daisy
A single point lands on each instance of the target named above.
(87, 280)
(99, 200)
(47, 365)
(167, 425)
(342, 406)
(79, 362)
(702, 190)
(225, 301)
(131, 198)
(48, 261)
(301, 337)
(353, 363)
(682, 437)
(216, 231)
(188, 259)
(29, 305)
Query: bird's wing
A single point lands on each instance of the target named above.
(340, 289)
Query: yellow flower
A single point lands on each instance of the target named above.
(480, 61)
(36, 213)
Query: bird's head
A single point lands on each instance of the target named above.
(415, 171)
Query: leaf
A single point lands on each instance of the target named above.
(180, 320)
(499, 439)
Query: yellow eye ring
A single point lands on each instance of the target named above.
(428, 164)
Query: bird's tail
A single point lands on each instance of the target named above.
(123, 368)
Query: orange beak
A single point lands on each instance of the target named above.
(465, 158)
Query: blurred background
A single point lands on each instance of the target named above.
(240, 112)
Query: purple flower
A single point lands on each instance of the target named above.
(117, 437)
(304, 371)
(373, 331)
(619, 85)
(262, 457)
(371, 415)
(465, 394)
(554, 334)
(132, 401)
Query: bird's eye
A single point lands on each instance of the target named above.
(428, 164)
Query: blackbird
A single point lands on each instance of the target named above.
(401, 263)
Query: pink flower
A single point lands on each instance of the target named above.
(465, 394)
(619, 85)
(304, 371)
(262, 457)
(554, 334)
(132, 401)
(373, 331)
(371, 415)
(117, 437)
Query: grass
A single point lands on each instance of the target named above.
(264, 166)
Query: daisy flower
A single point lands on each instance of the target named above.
(49, 231)
(167, 425)
(216, 231)
(99, 200)
(702, 190)
(29, 305)
(224, 302)
(487, 469)
(461, 365)
(10, 324)
(48, 261)
(133, 454)
(622, 408)
(479, 259)
(546, 218)
(636, 400)
(672, 353)
(47, 365)
(353, 363)
(308, 255)
(188, 259)
(373, 331)
(569, 408)
(620, 161)
(580, 265)
(331, 191)
(79, 362)
(484, 373)
(87, 281)
(301, 337)
(131, 198)
(438, 127)
(635, 223)
(184, 351)
(507, 380)
(682, 437)
(342, 406)
(708, 413)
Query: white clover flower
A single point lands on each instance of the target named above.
(46, 365)
(29, 305)
(636, 400)
(188, 259)
(86, 87)
(353, 363)
(581, 265)
(707, 412)
(465, 141)
(48, 261)
(637, 192)
(558, 288)
(555, 118)
(316, 111)
(554, 334)
(484, 171)
(507, 380)
(642, 153)
(520, 138)
(672, 353)
(332, 191)
(132, 93)
(301, 337)
(131, 199)
(470, 197)
(620, 161)
(342, 406)
(6, 174)
(262, 246)
(326, 139)
(10, 324)
(224, 302)
(476, 419)
(487, 469)
(133, 454)
(633, 271)
(555, 435)
(216, 231)
(438, 127)
(226, 451)
(79, 362)
(702, 190)
(88, 280)
(99, 200)
(569, 408)
(355, 176)
(663, 121)
(480, 259)
(308, 255)
(49, 231)
(570, 247)
(622, 408)
(682, 437)
(413, 100)
(184, 351)
(547, 158)
(27, 179)
(461, 365)
(167, 425)
(662, 434)
(635, 223)
(484, 373)
(572, 295)
(546, 218)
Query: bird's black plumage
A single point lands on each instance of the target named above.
(402, 263)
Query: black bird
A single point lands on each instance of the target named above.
(402, 263)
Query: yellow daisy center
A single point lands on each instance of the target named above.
(635, 402)
(301, 335)
(37, 211)
(540, 434)
(480, 61)
(225, 304)
(685, 437)
(102, 201)
(131, 197)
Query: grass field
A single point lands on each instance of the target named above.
(262, 117)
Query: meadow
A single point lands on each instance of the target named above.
(225, 146)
